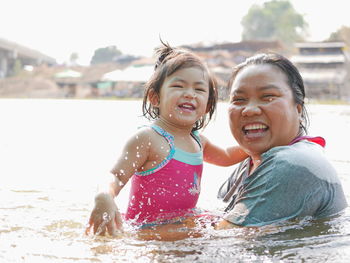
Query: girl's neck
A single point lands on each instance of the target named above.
(175, 130)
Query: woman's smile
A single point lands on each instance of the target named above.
(254, 130)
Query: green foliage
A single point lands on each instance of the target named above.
(342, 34)
(106, 54)
(73, 58)
(275, 20)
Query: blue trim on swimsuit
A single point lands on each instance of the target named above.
(175, 153)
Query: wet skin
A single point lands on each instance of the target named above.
(262, 111)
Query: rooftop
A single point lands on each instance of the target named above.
(320, 45)
(25, 51)
(318, 59)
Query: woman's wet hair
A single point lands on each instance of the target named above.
(295, 81)
(169, 60)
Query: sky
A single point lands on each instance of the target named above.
(60, 27)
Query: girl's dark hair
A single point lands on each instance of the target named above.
(295, 81)
(170, 60)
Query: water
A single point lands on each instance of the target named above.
(54, 153)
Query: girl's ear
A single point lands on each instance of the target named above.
(153, 99)
(299, 109)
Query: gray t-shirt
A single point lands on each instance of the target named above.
(292, 182)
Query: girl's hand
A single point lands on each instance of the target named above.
(105, 216)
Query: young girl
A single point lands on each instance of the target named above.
(165, 159)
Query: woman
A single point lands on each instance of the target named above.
(287, 176)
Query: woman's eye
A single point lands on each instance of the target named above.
(200, 89)
(269, 97)
(237, 99)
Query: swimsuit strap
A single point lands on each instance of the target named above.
(170, 139)
(165, 134)
(319, 140)
(195, 135)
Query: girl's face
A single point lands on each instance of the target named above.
(184, 97)
(262, 111)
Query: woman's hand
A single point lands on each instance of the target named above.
(105, 216)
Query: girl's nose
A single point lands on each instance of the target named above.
(251, 109)
(189, 93)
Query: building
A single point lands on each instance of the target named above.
(324, 67)
(221, 58)
(13, 54)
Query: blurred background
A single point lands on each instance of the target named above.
(99, 49)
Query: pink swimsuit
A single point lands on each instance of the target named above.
(168, 191)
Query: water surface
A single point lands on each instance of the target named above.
(54, 153)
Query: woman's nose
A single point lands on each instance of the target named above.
(251, 109)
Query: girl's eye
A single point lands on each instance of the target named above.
(200, 89)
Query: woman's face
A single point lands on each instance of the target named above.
(262, 111)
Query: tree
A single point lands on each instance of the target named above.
(106, 54)
(275, 20)
(73, 58)
(342, 34)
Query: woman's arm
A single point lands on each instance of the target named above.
(224, 224)
(223, 157)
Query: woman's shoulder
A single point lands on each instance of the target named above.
(302, 158)
(301, 151)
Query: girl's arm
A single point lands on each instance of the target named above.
(223, 157)
(105, 215)
(134, 155)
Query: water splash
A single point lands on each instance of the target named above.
(106, 218)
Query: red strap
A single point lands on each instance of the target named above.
(319, 140)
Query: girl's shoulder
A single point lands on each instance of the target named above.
(154, 136)
(143, 136)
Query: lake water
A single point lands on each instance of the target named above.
(54, 153)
